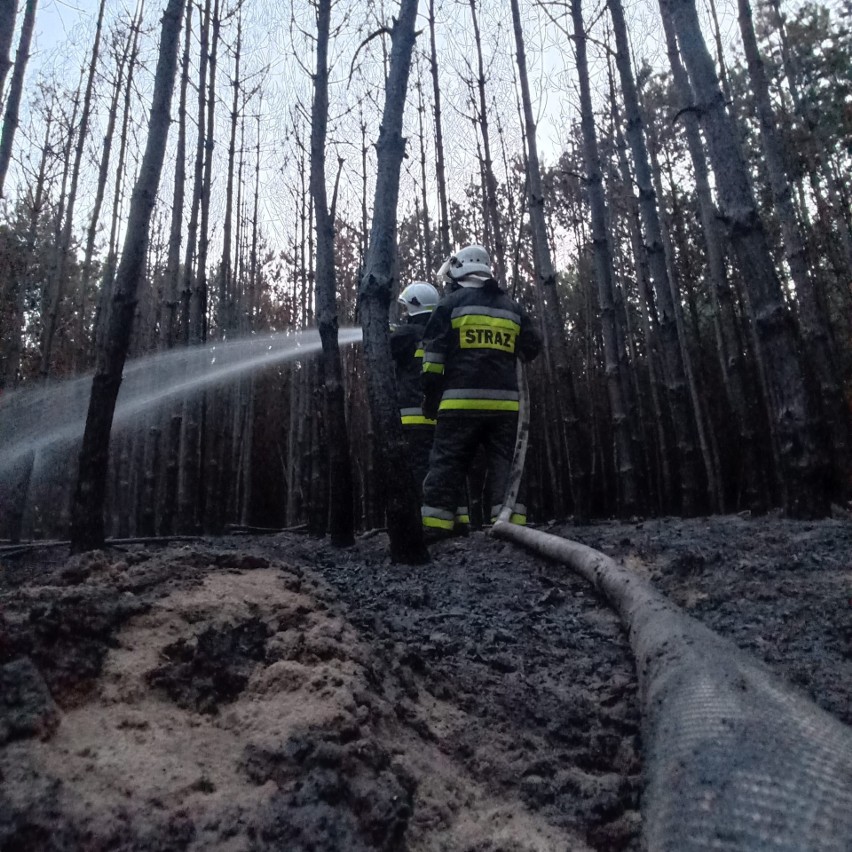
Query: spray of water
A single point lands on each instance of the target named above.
(53, 415)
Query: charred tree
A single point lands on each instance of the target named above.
(557, 361)
(603, 272)
(812, 322)
(730, 351)
(16, 87)
(103, 175)
(87, 522)
(172, 283)
(58, 272)
(341, 519)
(8, 11)
(226, 287)
(492, 209)
(804, 467)
(673, 366)
(404, 526)
(440, 172)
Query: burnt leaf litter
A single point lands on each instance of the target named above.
(281, 694)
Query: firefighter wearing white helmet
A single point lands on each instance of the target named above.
(468, 267)
(417, 301)
(471, 344)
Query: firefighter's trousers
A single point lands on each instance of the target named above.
(419, 441)
(456, 442)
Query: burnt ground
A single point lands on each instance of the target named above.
(254, 693)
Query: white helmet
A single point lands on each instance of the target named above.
(471, 260)
(420, 297)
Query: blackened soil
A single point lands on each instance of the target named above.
(276, 693)
(212, 668)
(537, 670)
(780, 589)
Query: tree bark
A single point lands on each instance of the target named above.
(404, 526)
(16, 87)
(103, 175)
(226, 287)
(673, 367)
(804, 464)
(172, 284)
(341, 518)
(102, 311)
(603, 272)
(58, 272)
(8, 11)
(557, 361)
(87, 524)
(731, 360)
(440, 172)
(427, 228)
(812, 322)
(490, 184)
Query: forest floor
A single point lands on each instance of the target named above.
(254, 693)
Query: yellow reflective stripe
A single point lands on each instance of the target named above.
(438, 523)
(462, 519)
(484, 320)
(417, 420)
(432, 367)
(418, 353)
(478, 405)
(514, 518)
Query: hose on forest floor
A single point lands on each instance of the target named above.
(735, 759)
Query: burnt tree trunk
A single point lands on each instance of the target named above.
(103, 175)
(812, 322)
(8, 11)
(492, 210)
(58, 272)
(341, 521)
(440, 172)
(404, 526)
(557, 362)
(16, 87)
(673, 367)
(804, 467)
(102, 311)
(172, 284)
(87, 520)
(603, 272)
(729, 349)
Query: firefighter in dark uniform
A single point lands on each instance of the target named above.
(418, 300)
(471, 343)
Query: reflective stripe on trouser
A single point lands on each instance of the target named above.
(456, 442)
(437, 518)
(414, 417)
(477, 399)
(518, 516)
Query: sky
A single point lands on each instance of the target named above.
(64, 30)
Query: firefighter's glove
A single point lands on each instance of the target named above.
(430, 406)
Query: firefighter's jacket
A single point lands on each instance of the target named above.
(407, 352)
(470, 345)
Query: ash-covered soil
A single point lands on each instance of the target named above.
(254, 693)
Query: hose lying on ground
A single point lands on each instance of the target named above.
(735, 759)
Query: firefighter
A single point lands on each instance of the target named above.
(417, 300)
(471, 343)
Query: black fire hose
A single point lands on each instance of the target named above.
(735, 759)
